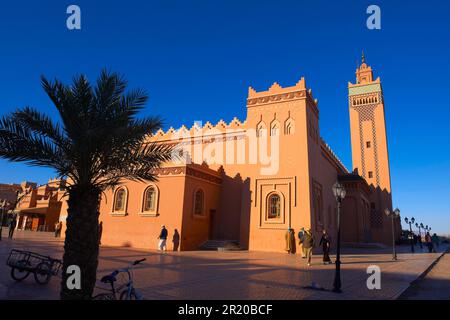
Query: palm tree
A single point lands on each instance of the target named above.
(97, 144)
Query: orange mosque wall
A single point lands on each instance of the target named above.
(134, 226)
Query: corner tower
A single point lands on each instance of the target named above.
(368, 129)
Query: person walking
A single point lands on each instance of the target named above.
(308, 244)
(325, 243)
(301, 234)
(162, 245)
(57, 229)
(419, 239)
(435, 242)
(428, 242)
(176, 240)
(12, 226)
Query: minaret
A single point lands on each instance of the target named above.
(368, 130)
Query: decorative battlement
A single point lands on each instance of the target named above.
(207, 128)
(276, 93)
(277, 89)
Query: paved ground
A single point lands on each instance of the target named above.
(435, 285)
(228, 275)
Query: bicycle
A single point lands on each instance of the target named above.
(127, 290)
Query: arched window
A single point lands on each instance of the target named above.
(199, 202)
(274, 206)
(120, 200)
(261, 129)
(289, 127)
(150, 199)
(274, 130)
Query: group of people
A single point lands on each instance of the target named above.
(307, 242)
(431, 242)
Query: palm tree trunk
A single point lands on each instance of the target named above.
(81, 243)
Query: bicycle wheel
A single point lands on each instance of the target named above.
(43, 273)
(124, 295)
(104, 296)
(18, 273)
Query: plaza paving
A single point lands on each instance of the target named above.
(228, 275)
(434, 286)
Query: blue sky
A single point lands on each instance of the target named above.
(197, 58)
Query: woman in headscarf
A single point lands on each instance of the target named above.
(325, 242)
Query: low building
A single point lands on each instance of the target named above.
(39, 207)
(8, 197)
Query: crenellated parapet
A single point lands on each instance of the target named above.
(278, 94)
(206, 129)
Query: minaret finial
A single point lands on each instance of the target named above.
(363, 57)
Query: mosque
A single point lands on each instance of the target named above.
(248, 181)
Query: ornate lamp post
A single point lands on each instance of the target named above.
(393, 214)
(339, 193)
(2, 207)
(410, 222)
(419, 226)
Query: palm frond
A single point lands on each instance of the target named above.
(41, 124)
(135, 165)
(99, 140)
(21, 144)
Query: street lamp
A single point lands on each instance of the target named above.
(420, 234)
(393, 214)
(410, 222)
(339, 194)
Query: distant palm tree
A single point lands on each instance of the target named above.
(97, 145)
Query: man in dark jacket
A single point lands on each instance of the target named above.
(162, 239)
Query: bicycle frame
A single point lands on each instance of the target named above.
(129, 285)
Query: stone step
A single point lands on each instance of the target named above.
(220, 245)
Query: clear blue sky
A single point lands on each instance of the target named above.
(197, 58)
